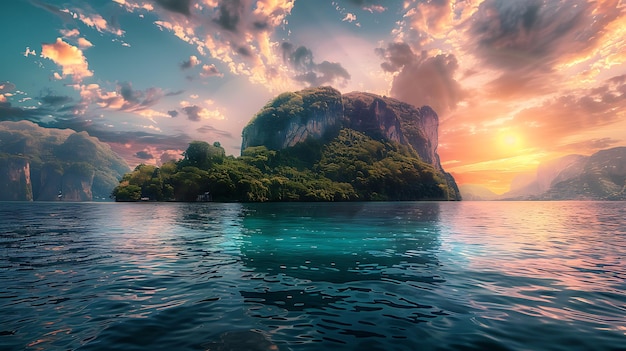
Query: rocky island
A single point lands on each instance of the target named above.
(312, 145)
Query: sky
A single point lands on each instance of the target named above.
(514, 82)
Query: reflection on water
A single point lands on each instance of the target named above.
(376, 276)
(326, 242)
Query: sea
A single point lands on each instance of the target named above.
(313, 276)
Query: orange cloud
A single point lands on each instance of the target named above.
(239, 34)
(84, 43)
(99, 23)
(69, 57)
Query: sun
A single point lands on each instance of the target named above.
(509, 141)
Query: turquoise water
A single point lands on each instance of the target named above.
(356, 276)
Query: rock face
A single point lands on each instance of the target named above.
(294, 117)
(395, 120)
(17, 184)
(40, 164)
(320, 113)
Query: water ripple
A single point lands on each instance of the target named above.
(376, 276)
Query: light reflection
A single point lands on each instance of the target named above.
(539, 254)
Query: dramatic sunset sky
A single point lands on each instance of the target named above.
(515, 82)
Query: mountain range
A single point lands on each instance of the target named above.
(601, 176)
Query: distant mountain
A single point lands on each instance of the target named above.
(42, 163)
(601, 176)
(473, 192)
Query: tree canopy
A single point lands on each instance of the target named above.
(351, 167)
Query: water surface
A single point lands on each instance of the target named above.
(356, 276)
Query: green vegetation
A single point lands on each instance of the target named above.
(350, 167)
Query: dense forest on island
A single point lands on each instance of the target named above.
(351, 167)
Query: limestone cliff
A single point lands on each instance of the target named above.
(17, 183)
(38, 163)
(320, 113)
(294, 117)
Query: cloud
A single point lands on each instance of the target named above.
(174, 93)
(182, 7)
(136, 146)
(55, 100)
(536, 35)
(84, 43)
(422, 80)
(144, 155)
(192, 62)
(128, 99)
(212, 130)
(69, 57)
(29, 52)
(592, 145)
(311, 73)
(6, 87)
(363, 3)
(349, 17)
(52, 109)
(196, 113)
(98, 22)
(70, 33)
(236, 32)
(396, 55)
(375, 8)
(554, 122)
(230, 13)
(63, 15)
(172, 113)
(210, 71)
(170, 155)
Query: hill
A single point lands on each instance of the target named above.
(42, 163)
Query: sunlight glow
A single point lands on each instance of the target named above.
(509, 142)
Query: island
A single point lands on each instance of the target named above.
(312, 145)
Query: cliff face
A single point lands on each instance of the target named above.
(37, 163)
(321, 112)
(17, 183)
(20, 185)
(70, 184)
(395, 120)
(294, 117)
